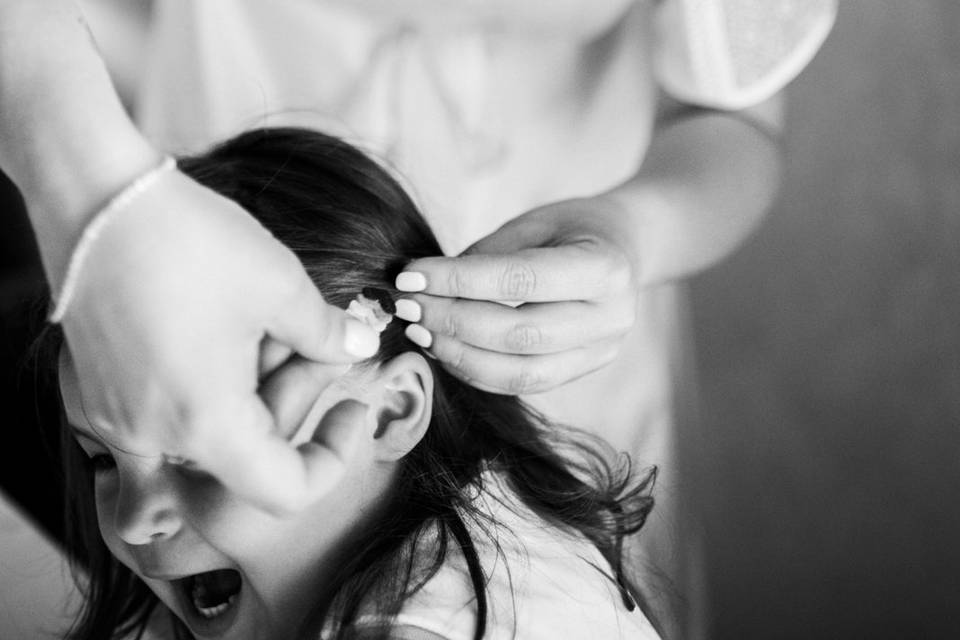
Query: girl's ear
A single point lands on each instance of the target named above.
(406, 406)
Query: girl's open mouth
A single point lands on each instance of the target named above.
(210, 598)
(213, 592)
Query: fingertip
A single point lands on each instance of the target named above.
(263, 471)
(409, 310)
(411, 281)
(360, 340)
(419, 335)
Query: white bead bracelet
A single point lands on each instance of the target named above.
(96, 225)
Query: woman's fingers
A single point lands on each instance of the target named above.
(251, 459)
(534, 328)
(564, 261)
(333, 446)
(580, 302)
(272, 355)
(516, 374)
(261, 466)
(310, 326)
(292, 389)
(575, 271)
(339, 433)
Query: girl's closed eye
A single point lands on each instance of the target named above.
(192, 472)
(97, 458)
(101, 462)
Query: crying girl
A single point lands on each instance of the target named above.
(463, 514)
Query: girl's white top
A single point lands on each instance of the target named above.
(486, 109)
(542, 583)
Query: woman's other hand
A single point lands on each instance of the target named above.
(545, 299)
(184, 305)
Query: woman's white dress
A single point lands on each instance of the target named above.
(486, 109)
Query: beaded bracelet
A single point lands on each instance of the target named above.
(96, 225)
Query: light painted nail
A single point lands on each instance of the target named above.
(419, 336)
(359, 340)
(409, 310)
(411, 281)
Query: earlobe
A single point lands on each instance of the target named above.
(407, 405)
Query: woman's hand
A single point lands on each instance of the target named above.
(569, 266)
(187, 313)
(184, 306)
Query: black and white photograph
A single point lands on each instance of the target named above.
(479, 319)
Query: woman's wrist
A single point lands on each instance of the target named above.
(703, 188)
(66, 140)
(632, 210)
(65, 205)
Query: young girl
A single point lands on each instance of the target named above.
(463, 513)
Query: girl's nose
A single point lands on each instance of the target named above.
(147, 508)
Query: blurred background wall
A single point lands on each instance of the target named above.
(828, 462)
(825, 465)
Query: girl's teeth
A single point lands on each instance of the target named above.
(211, 612)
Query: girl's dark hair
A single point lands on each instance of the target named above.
(352, 226)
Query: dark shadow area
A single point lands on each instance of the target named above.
(827, 466)
(29, 472)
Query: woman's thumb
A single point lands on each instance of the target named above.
(524, 232)
(320, 331)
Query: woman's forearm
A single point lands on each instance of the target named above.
(65, 139)
(707, 181)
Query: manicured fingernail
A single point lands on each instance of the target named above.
(359, 340)
(411, 281)
(419, 336)
(409, 310)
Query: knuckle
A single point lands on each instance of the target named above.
(528, 379)
(581, 334)
(291, 501)
(450, 326)
(454, 357)
(626, 319)
(617, 273)
(612, 352)
(518, 281)
(283, 283)
(462, 375)
(456, 281)
(522, 338)
(193, 424)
